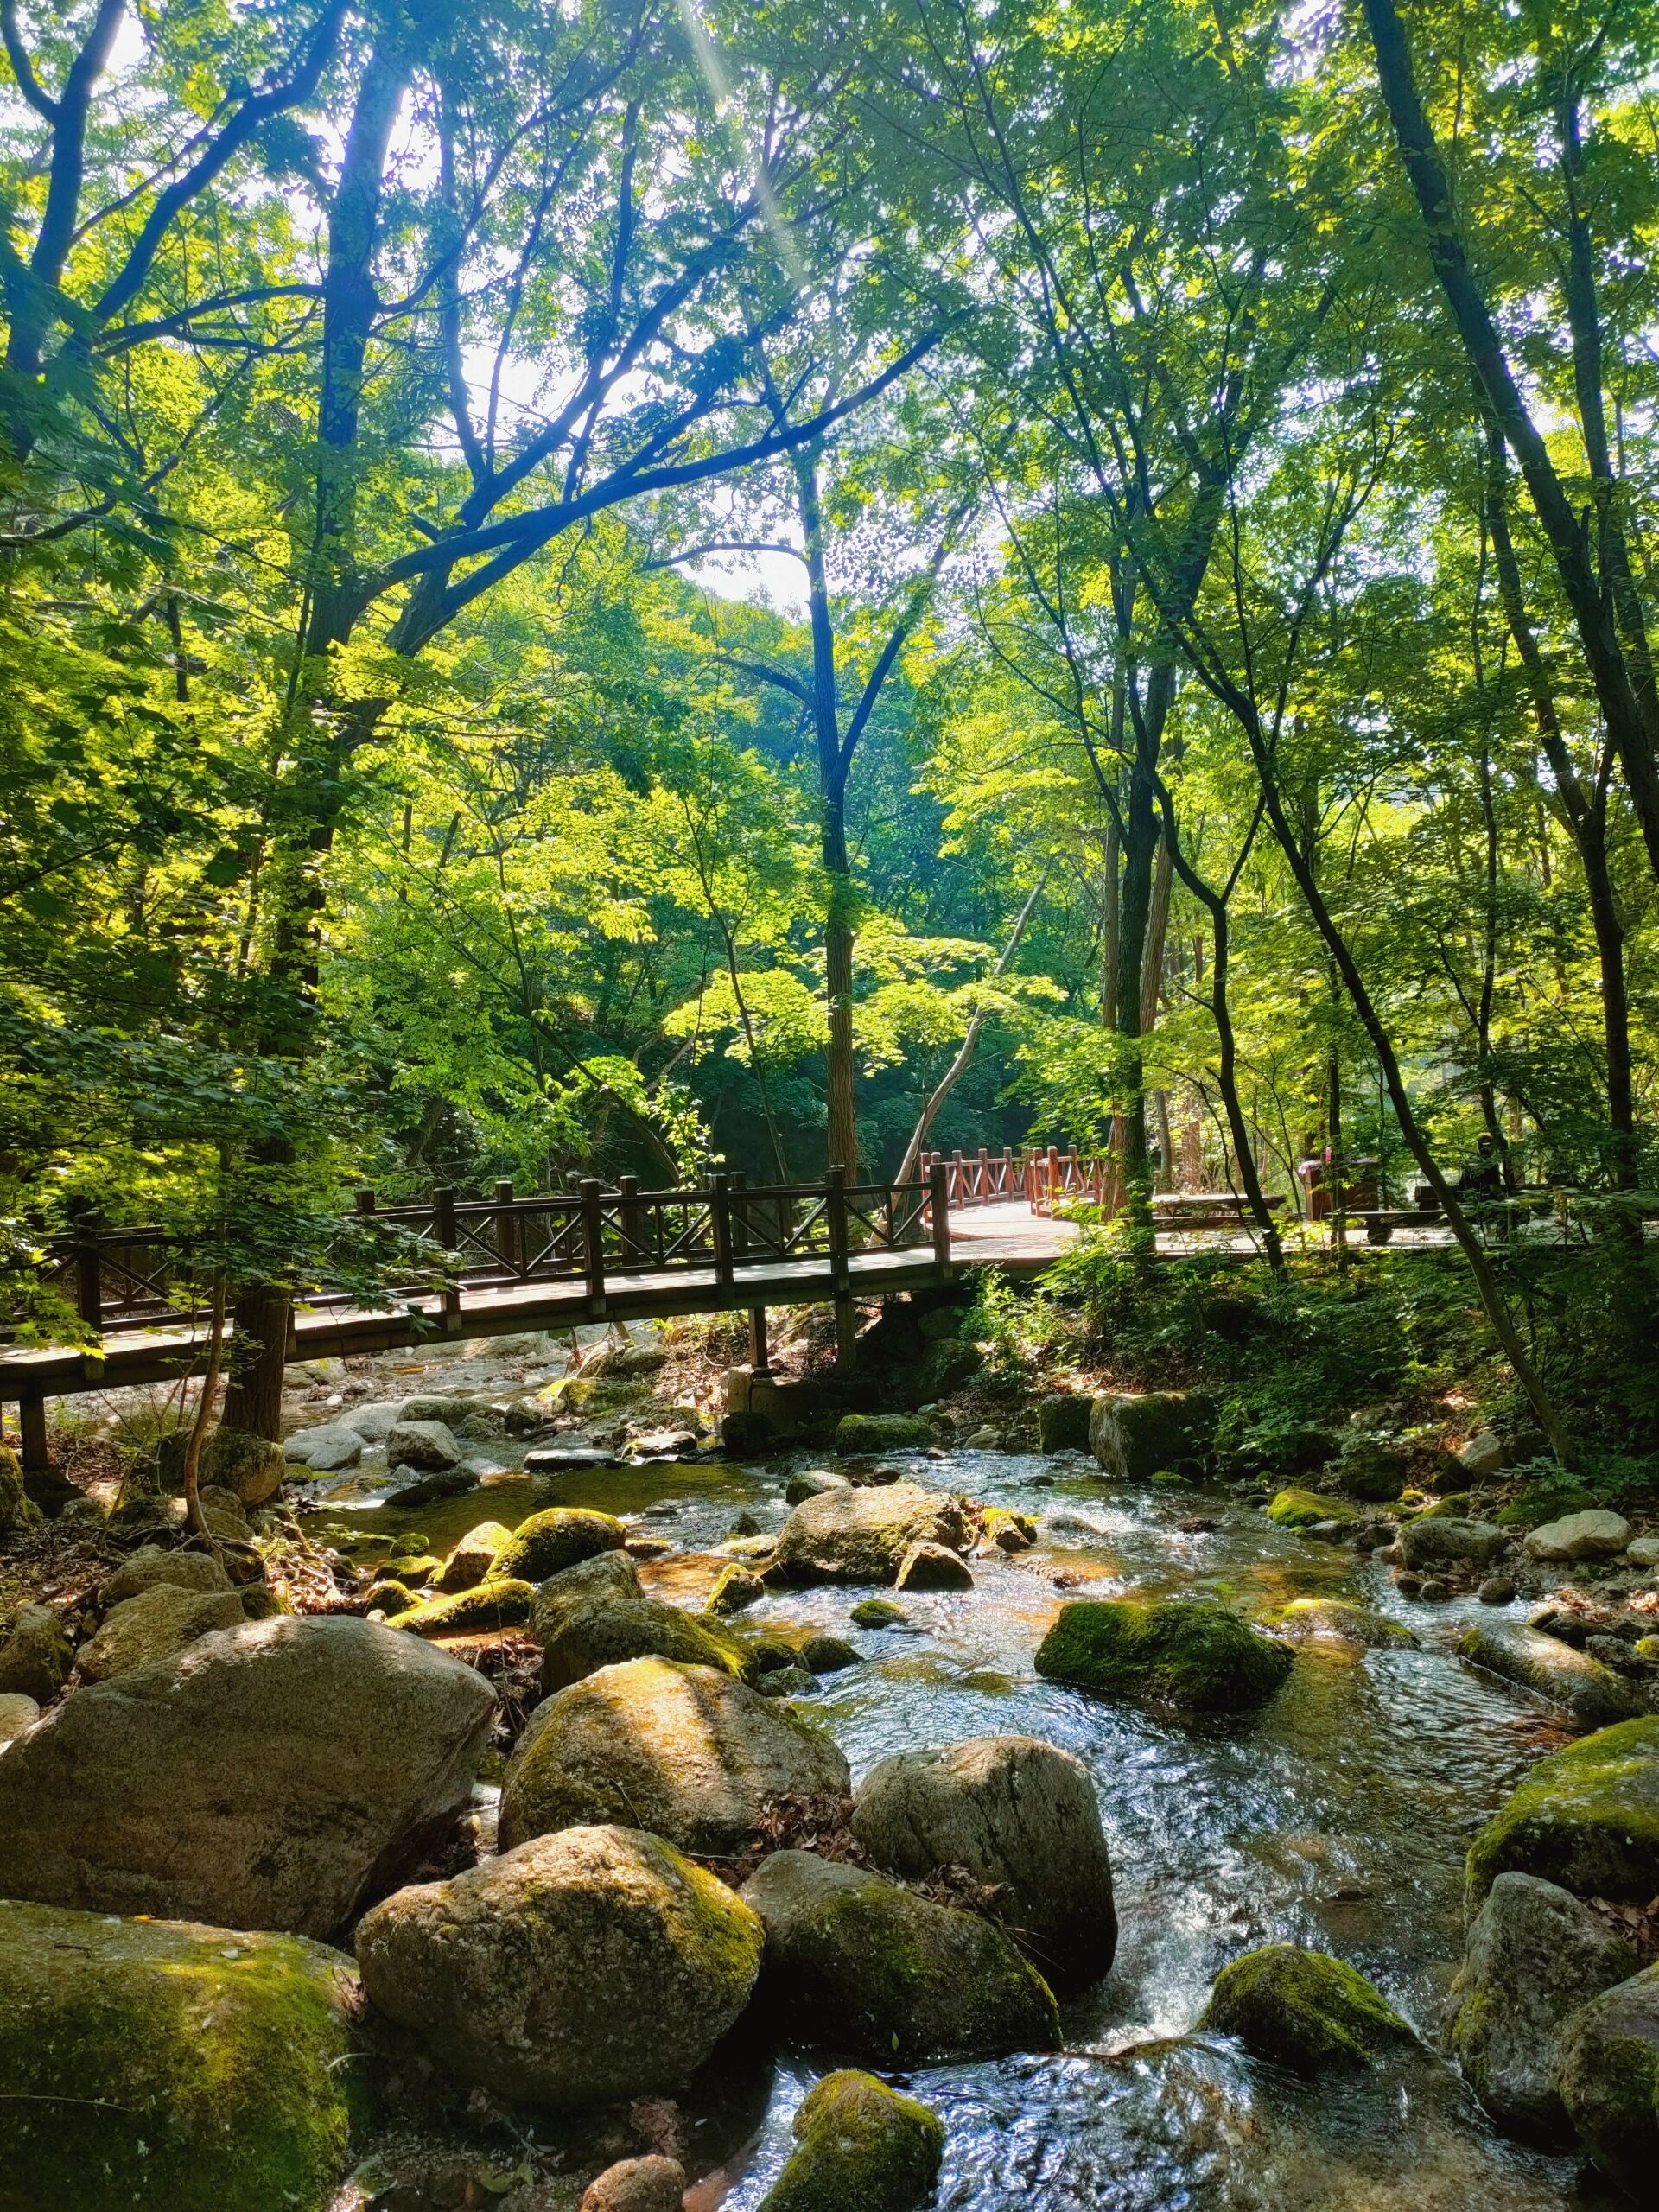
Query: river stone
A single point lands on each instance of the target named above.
(863, 1535)
(1063, 1422)
(560, 1537)
(933, 1566)
(1135, 1438)
(1586, 1817)
(161, 1621)
(1015, 1813)
(1302, 2009)
(1435, 1541)
(1592, 1693)
(1310, 1508)
(1367, 1468)
(686, 1752)
(607, 1575)
(156, 2063)
(813, 1483)
(472, 1558)
(485, 1610)
(35, 1655)
(862, 1435)
(325, 1450)
(249, 1467)
(1593, 1535)
(861, 2147)
(736, 1588)
(428, 1488)
(1335, 1620)
(581, 1968)
(858, 1964)
(269, 1775)
(1190, 1654)
(428, 1444)
(1484, 1455)
(1643, 1551)
(653, 2184)
(373, 1423)
(151, 1565)
(1608, 2079)
(18, 1713)
(1536, 1955)
(610, 1630)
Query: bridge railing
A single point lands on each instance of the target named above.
(1046, 1179)
(124, 1278)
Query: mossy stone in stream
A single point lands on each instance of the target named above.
(736, 1587)
(472, 1558)
(1135, 1437)
(1063, 1421)
(878, 1612)
(1608, 2078)
(862, 2147)
(1186, 1652)
(1304, 2009)
(492, 1604)
(861, 1435)
(1586, 1817)
(1335, 1620)
(390, 1596)
(561, 1536)
(609, 1631)
(1305, 1508)
(1370, 1469)
(418, 1571)
(162, 2066)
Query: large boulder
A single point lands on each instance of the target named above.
(429, 1446)
(1586, 1817)
(271, 1775)
(610, 1630)
(1308, 1508)
(1433, 1540)
(151, 1564)
(581, 1968)
(651, 2184)
(1591, 1534)
(1368, 1468)
(1536, 1954)
(858, 1964)
(1188, 1654)
(326, 1450)
(933, 1566)
(1017, 1814)
(249, 1467)
(159, 2064)
(163, 1620)
(1063, 1421)
(1302, 2009)
(860, 2147)
(472, 1558)
(1135, 1438)
(1337, 1620)
(862, 1435)
(606, 1575)
(1593, 1693)
(863, 1535)
(35, 1655)
(686, 1752)
(485, 1610)
(561, 1537)
(1608, 2078)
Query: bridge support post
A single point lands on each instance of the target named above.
(443, 1225)
(31, 1420)
(592, 1242)
(760, 1351)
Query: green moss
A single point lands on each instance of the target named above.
(735, 1587)
(561, 1536)
(1304, 2009)
(1371, 1470)
(862, 2148)
(878, 1612)
(1063, 1422)
(492, 1604)
(419, 1570)
(860, 1435)
(1335, 1619)
(1586, 1817)
(1609, 2081)
(1546, 1501)
(157, 2064)
(409, 1545)
(610, 1631)
(1305, 1509)
(1187, 1654)
(12, 1496)
(390, 1596)
(1452, 1507)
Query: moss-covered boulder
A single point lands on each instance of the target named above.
(1187, 1654)
(1303, 2009)
(1586, 1817)
(860, 1436)
(1336, 1620)
(1370, 1469)
(1135, 1438)
(861, 1535)
(878, 1612)
(1019, 1815)
(14, 1499)
(153, 1564)
(1307, 1509)
(472, 1558)
(1063, 1421)
(35, 1655)
(1608, 2079)
(1432, 1541)
(1594, 1695)
(606, 1576)
(163, 1620)
(686, 1753)
(162, 2066)
(856, 1964)
(608, 1631)
(1008, 1530)
(860, 2147)
(736, 1588)
(648, 2184)
(561, 1536)
(1536, 1955)
(249, 1467)
(389, 1596)
(943, 1367)
(493, 1605)
(579, 1968)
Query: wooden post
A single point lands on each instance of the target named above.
(89, 1274)
(739, 1185)
(938, 1201)
(839, 1249)
(31, 1420)
(719, 1227)
(592, 1242)
(444, 1227)
(984, 1177)
(509, 1240)
(364, 1202)
(630, 1213)
(759, 1352)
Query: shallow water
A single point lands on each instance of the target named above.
(1336, 1817)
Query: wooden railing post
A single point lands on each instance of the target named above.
(509, 1238)
(631, 1214)
(938, 1206)
(443, 1229)
(984, 1177)
(593, 1240)
(719, 1227)
(740, 1185)
(959, 1181)
(364, 1202)
(89, 1273)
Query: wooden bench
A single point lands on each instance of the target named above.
(1205, 1210)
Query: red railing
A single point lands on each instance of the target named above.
(1045, 1181)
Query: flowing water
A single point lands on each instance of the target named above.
(1336, 1817)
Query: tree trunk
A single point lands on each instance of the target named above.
(253, 1399)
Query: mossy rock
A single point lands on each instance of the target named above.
(154, 2064)
(412, 1543)
(35, 1655)
(944, 1367)
(736, 1587)
(862, 1435)
(1586, 1817)
(472, 1558)
(1063, 1421)
(1187, 1654)
(610, 1631)
(1305, 1508)
(1135, 1438)
(1535, 1507)
(878, 1612)
(861, 2147)
(1454, 1506)
(1609, 2081)
(1303, 2009)
(159, 1622)
(1335, 1620)
(419, 1571)
(492, 1606)
(14, 1499)
(390, 1597)
(561, 1536)
(1369, 1469)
